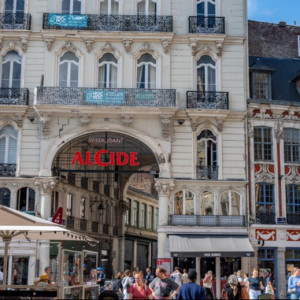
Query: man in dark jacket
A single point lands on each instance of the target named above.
(191, 290)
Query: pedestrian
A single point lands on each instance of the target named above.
(163, 287)
(239, 275)
(232, 290)
(139, 290)
(255, 285)
(208, 285)
(100, 278)
(126, 283)
(185, 278)
(294, 284)
(48, 274)
(177, 276)
(246, 277)
(269, 289)
(149, 276)
(117, 285)
(191, 290)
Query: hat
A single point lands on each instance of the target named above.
(192, 274)
(44, 277)
(99, 269)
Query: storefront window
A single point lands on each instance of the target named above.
(185, 262)
(230, 204)
(229, 265)
(207, 264)
(19, 272)
(72, 264)
(26, 199)
(207, 203)
(292, 259)
(184, 203)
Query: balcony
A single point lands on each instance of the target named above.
(14, 96)
(105, 97)
(70, 222)
(207, 100)
(95, 227)
(105, 228)
(8, 170)
(265, 218)
(207, 172)
(15, 21)
(213, 220)
(83, 224)
(109, 22)
(208, 25)
(293, 218)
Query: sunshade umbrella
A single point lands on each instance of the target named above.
(18, 225)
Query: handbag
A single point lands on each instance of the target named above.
(207, 285)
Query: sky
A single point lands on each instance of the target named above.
(274, 11)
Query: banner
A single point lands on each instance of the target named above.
(67, 20)
(105, 97)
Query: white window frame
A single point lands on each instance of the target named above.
(206, 69)
(109, 64)
(69, 62)
(27, 197)
(147, 2)
(215, 208)
(229, 193)
(206, 6)
(183, 201)
(69, 209)
(150, 217)
(71, 7)
(7, 140)
(146, 64)
(11, 61)
(109, 6)
(15, 7)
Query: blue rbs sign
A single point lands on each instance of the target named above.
(68, 20)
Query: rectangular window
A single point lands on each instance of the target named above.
(261, 85)
(263, 143)
(143, 215)
(19, 271)
(69, 205)
(150, 217)
(293, 204)
(135, 213)
(54, 202)
(265, 204)
(291, 145)
(156, 218)
(128, 213)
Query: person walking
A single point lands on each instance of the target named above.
(139, 290)
(294, 284)
(191, 290)
(208, 285)
(126, 283)
(269, 288)
(163, 287)
(239, 275)
(177, 276)
(100, 278)
(117, 285)
(149, 276)
(255, 285)
(185, 278)
(246, 277)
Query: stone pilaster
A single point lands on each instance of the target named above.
(281, 273)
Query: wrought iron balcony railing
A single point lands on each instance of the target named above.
(15, 21)
(119, 23)
(265, 218)
(8, 170)
(213, 220)
(70, 222)
(83, 224)
(293, 218)
(207, 172)
(201, 24)
(106, 97)
(207, 100)
(105, 228)
(95, 226)
(14, 96)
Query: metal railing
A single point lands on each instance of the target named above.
(15, 21)
(83, 224)
(212, 220)
(207, 172)
(151, 23)
(201, 24)
(14, 96)
(70, 222)
(293, 218)
(8, 170)
(265, 218)
(207, 100)
(117, 97)
(95, 226)
(105, 228)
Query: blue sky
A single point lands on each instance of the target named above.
(274, 11)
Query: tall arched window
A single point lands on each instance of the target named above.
(230, 204)
(184, 203)
(11, 70)
(208, 204)
(206, 74)
(207, 155)
(8, 145)
(109, 7)
(68, 70)
(206, 7)
(107, 71)
(147, 7)
(146, 72)
(5, 197)
(72, 7)
(26, 199)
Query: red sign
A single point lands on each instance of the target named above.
(265, 234)
(293, 235)
(115, 159)
(164, 263)
(58, 217)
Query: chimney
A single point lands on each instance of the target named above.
(282, 23)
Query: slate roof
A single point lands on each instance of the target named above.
(284, 73)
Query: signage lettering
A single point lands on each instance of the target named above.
(67, 20)
(114, 159)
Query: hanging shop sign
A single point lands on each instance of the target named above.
(105, 97)
(104, 158)
(67, 20)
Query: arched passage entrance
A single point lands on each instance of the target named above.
(93, 171)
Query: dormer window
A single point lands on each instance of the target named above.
(261, 85)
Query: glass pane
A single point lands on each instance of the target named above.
(5, 197)
(70, 56)
(201, 79)
(72, 267)
(63, 75)
(152, 8)
(201, 154)
(12, 152)
(208, 203)
(77, 7)
(65, 6)
(200, 9)
(206, 59)
(211, 79)
(31, 200)
(113, 76)
(19, 272)
(211, 9)
(152, 77)
(5, 75)
(16, 71)
(108, 57)
(20, 6)
(141, 8)
(9, 5)
(145, 58)
(2, 149)
(189, 203)
(104, 7)
(235, 204)
(225, 204)
(114, 7)
(179, 203)
(74, 75)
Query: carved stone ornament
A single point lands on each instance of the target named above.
(45, 185)
(89, 44)
(127, 44)
(164, 186)
(194, 123)
(264, 175)
(49, 43)
(127, 120)
(68, 46)
(161, 158)
(24, 43)
(250, 130)
(45, 119)
(146, 47)
(279, 131)
(85, 119)
(1, 43)
(19, 120)
(219, 48)
(219, 124)
(166, 44)
(12, 45)
(293, 177)
(166, 121)
(194, 46)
